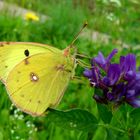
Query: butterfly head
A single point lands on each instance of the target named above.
(70, 51)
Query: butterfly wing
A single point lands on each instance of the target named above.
(40, 83)
(13, 53)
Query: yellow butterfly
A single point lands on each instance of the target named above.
(35, 75)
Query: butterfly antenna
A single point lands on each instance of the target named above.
(83, 56)
(75, 38)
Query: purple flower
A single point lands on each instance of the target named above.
(128, 66)
(119, 83)
(103, 62)
(113, 73)
(133, 92)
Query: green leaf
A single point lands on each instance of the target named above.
(105, 113)
(75, 119)
(83, 136)
(119, 118)
(135, 114)
(100, 134)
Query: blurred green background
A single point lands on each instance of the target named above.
(111, 24)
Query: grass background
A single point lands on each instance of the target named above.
(119, 20)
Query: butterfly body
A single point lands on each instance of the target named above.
(35, 75)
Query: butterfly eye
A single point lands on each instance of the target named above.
(26, 52)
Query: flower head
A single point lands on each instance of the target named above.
(118, 82)
(31, 16)
(103, 62)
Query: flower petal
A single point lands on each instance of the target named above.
(88, 73)
(128, 63)
(100, 60)
(113, 73)
(110, 96)
(138, 76)
(106, 81)
(95, 74)
(130, 75)
(134, 102)
(111, 55)
(130, 94)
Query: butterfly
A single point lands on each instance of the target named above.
(35, 75)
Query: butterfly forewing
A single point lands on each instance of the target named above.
(13, 53)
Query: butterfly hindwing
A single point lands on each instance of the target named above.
(39, 81)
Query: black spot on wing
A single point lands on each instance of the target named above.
(26, 52)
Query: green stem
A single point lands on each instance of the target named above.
(112, 127)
